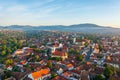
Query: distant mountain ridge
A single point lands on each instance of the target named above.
(85, 28)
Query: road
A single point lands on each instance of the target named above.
(88, 54)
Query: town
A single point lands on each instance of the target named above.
(58, 55)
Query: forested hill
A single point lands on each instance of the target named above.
(91, 28)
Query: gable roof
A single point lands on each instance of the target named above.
(58, 53)
(69, 65)
(41, 73)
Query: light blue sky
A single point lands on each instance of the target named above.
(60, 12)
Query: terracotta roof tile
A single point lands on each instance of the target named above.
(40, 73)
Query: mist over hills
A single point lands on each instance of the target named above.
(84, 28)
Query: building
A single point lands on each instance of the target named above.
(43, 74)
(60, 54)
(70, 66)
(18, 52)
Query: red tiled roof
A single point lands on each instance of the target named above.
(67, 74)
(58, 53)
(40, 73)
(69, 65)
(23, 62)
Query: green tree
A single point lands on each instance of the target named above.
(53, 74)
(3, 52)
(101, 47)
(100, 56)
(118, 72)
(4, 47)
(9, 62)
(9, 50)
(7, 74)
(49, 64)
(73, 51)
(37, 58)
(19, 44)
(80, 57)
(99, 77)
(108, 72)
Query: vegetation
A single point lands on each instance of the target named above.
(49, 64)
(100, 56)
(108, 71)
(99, 77)
(55, 58)
(73, 51)
(53, 74)
(80, 57)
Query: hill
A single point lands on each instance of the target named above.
(85, 28)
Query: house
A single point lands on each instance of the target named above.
(42, 74)
(84, 75)
(18, 52)
(76, 73)
(69, 76)
(24, 62)
(28, 50)
(60, 54)
(96, 50)
(70, 66)
(60, 70)
(9, 68)
(59, 78)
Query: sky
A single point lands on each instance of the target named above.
(60, 12)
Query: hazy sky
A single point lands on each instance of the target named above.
(60, 12)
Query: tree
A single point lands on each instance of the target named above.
(108, 72)
(3, 52)
(101, 47)
(37, 58)
(118, 72)
(49, 64)
(53, 74)
(73, 51)
(55, 58)
(80, 57)
(99, 77)
(34, 46)
(15, 48)
(9, 62)
(7, 74)
(48, 52)
(9, 50)
(19, 45)
(4, 47)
